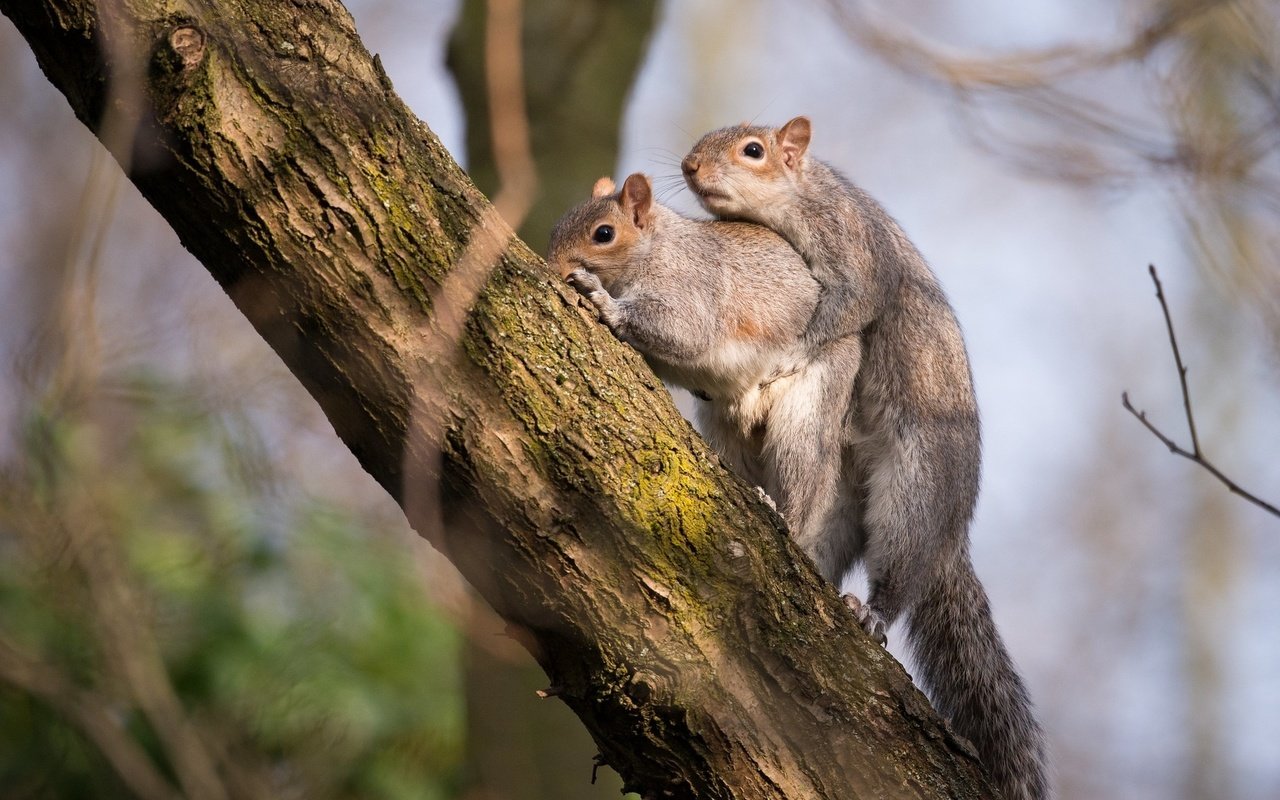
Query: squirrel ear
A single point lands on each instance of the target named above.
(637, 199)
(793, 141)
(603, 188)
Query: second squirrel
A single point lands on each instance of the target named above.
(916, 460)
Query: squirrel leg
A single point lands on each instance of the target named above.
(766, 497)
(917, 517)
(737, 450)
(804, 449)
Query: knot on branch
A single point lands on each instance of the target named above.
(643, 686)
(187, 42)
(179, 46)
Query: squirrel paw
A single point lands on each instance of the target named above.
(587, 283)
(784, 370)
(870, 620)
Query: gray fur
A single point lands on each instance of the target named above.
(909, 480)
(718, 308)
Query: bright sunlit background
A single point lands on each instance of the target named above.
(267, 573)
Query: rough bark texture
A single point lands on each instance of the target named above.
(663, 600)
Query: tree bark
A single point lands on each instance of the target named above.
(666, 604)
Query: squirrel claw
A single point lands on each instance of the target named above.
(870, 620)
(780, 374)
(584, 281)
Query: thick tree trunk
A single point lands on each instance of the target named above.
(666, 604)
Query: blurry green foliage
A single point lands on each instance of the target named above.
(300, 645)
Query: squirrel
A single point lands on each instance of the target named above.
(716, 307)
(915, 460)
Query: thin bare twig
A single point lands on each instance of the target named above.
(1177, 359)
(1194, 454)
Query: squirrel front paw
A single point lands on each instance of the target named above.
(584, 280)
(785, 369)
(589, 286)
(587, 283)
(869, 619)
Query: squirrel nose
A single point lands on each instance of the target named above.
(689, 166)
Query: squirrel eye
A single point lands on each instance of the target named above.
(753, 150)
(603, 234)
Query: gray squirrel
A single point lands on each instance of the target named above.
(718, 308)
(910, 480)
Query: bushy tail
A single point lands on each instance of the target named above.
(969, 676)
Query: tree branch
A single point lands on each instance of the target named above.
(1195, 453)
(667, 605)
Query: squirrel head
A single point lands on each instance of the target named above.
(606, 234)
(748, 171)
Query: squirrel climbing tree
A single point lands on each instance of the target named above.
(666, 604)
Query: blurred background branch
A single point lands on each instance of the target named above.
(580, 58)
(1210, 127)
(89, 713)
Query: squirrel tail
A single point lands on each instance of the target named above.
(969, 676)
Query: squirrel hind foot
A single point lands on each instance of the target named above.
(869, 619)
